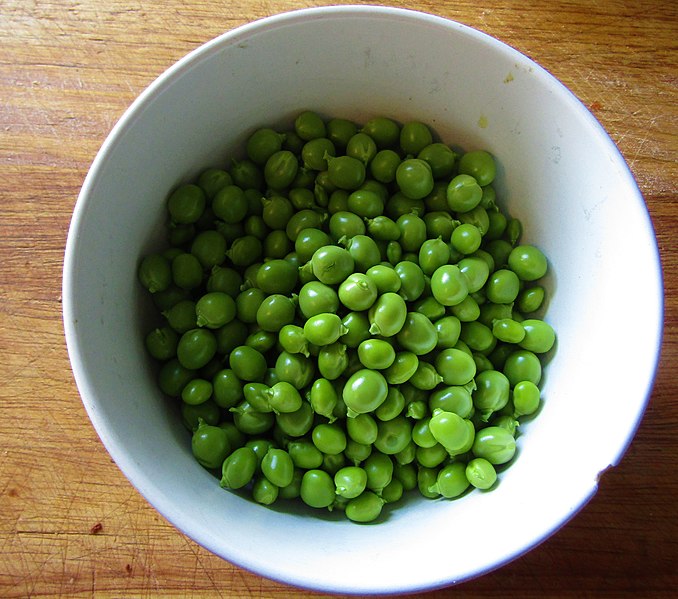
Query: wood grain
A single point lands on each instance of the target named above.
(70, 523)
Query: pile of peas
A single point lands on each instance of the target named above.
(347, 315)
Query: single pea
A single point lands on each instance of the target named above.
(357, 292)
(522, 365)
(466, 239)
(449, 285)
(407, 455)
(264, 491)
(247, 363)
(496, 223)
(426, 377)
(357, 329)
(362, 147)
(440, 157)
(340, 131)
(384, 165)
(155, 273)
(346, 172)
(362, 428)
(455, 366)
(338, 201)
(247, 175)
(421, 433)
(277, 466)
(275, 311)
(161, 343)
(308, 241)
(387, 315)
(414, 137)
(508, 330)
(196, 392)
(495, 444)
(323, 329)
(277, 211)
(230, 204)
(247, 304)
(210, 248)
(350, 481)
(332, 264)
(186, 204)
(404, 366)
(448, 330)
(383, 130)
(296, 424)
(333, 360)
(364, 508)
(364, 251)
(314, 152)
(245, 251)
(323, 398)
(477, 336)
(260, 446)
(499, 249)
(304, 454)
(212, 180)
(431, 457)
(214, 310)
(262, 144)
(528, 262)
(317, 298)
(295, 369)
(364, 391)
(463, 193)
(376, 354)
(393, 405)
(309, 125)
(480, 165)
(414, 178)
(417, 335)
(412, 232)
(394, 252)
(283, 397)
(277, 276)
(230, 336)
(238, 468)
(385, 278)
(412, 280)
(491, 393)
(451, 431)
(196, 348)
(291, 338)
(317, 489)
(530, 299)
(187, 272)
(251, 421)
(191, 416)
(426, 482)
(227, 388)
(451, 480)
(393, 435)
(209, 445)
(502, 286)
(481, 473)
(526, 397)
(433, 254)
(276, 244)
(379, 469)
(539, 336)
(468, 311)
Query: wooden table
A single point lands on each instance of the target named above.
(70, 523)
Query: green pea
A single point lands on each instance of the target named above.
(412, 280)
(196, 392)
(196, 348)
(376, 354)
(468, 311)
(161, 343)
(350, 481)
(155, 273)
(346, 172)
(455, 366)
(431, 457)
(258, 395)
(323, 329)
(412, 232)
(277, 211)
(394, 252)
(477, 336)
(317, 489)
(230, 336)
(530, 299)
(357, 292)
(387, 315)
(451, 480)
(433, 254)
(262, 144)
(495, 444)
(466, 238)
(522, 365)
(448, 330)
(480, 165)
(332, 264)
(440, 158)
(212, 180)
(333, 360)
(384, 165)
(526, 398)
(508, 330)
(281, 169)
(425, 377)
(245, 251)
(364, 508)
(417, 335)
(291, 338)
(502, 286)
(186, 204)
(283, 397)
(317, 298)
(295, 369)
(187, 272)
(247, 363)
(383, 130)
(238, 468)
(362, 428)
(361, 147)
(277, 466)
(452, 398)
(379, 469)
(452, 431)
(364, 391)
(481, 473)
(308, 241)
(357, 326)
(393, 435)
(309, 125)
(404, 366)
(463, 193)
(340, 131)
(393, 405)
(539, 336)
(491, 393)
(449, 285)
(277, 276)
(364, 251)
(296, 424)
(251, 421)
(274, 312)
(209, 445)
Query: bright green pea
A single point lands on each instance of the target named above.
(309, 125)
(308, 241)
(431, 457)
(350, 481)
(376, 354)
(362, 147)
(379, 469)
(303, 219)
(417, 335)
(522, 365)
(186, 204)
(427, 482)
(364, 391)
(317, 489)
(155, 273)
(214, 310)
(440, 158)
(495, 444)
(468, 311)
(364, 251)
(508, 330)
(477, 336)
(364, 508)
(414, 137)
(393, 405)
(530, 299)
(412, 232)
(404, 366)
(333, 360)
(480, 165)
(362, 428)
(491, 393)
(196, 348)
(344, 225)
(340, 131)
(452, 431)
(539, 336)
(466, 238)
(332, 264)
(357, 326)
(245, 251)
(385, 277)
(277, 211)
(249, 420)
(414, 178)
(277, 466)
(502, 286)
(258, 395)
(526, 397)
(425, 377)
(264, 491)
(412, 280)
(393, 435)
(383, 130)
(291, 338)
(449, 285)
(463, 193)
(196, 392)
(295, 369)
(448, 330)
(314, 152)
(277, 276)
(455, 366)
(481, 473)
(346, 172)
(304, 454)
(323, 329)
(296, 424)
(238, 468)
(384, 165)
(453, 398)
(230, 204)
(433, 254)
(451, 480)
(262, 144)
(283, 397)
(357, 292)
(209, 445)
(383, 228)
(387, 315)
(161, 343)
(212, 180)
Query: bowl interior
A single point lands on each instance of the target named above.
(559, 173)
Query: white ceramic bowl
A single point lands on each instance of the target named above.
(559, 173)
